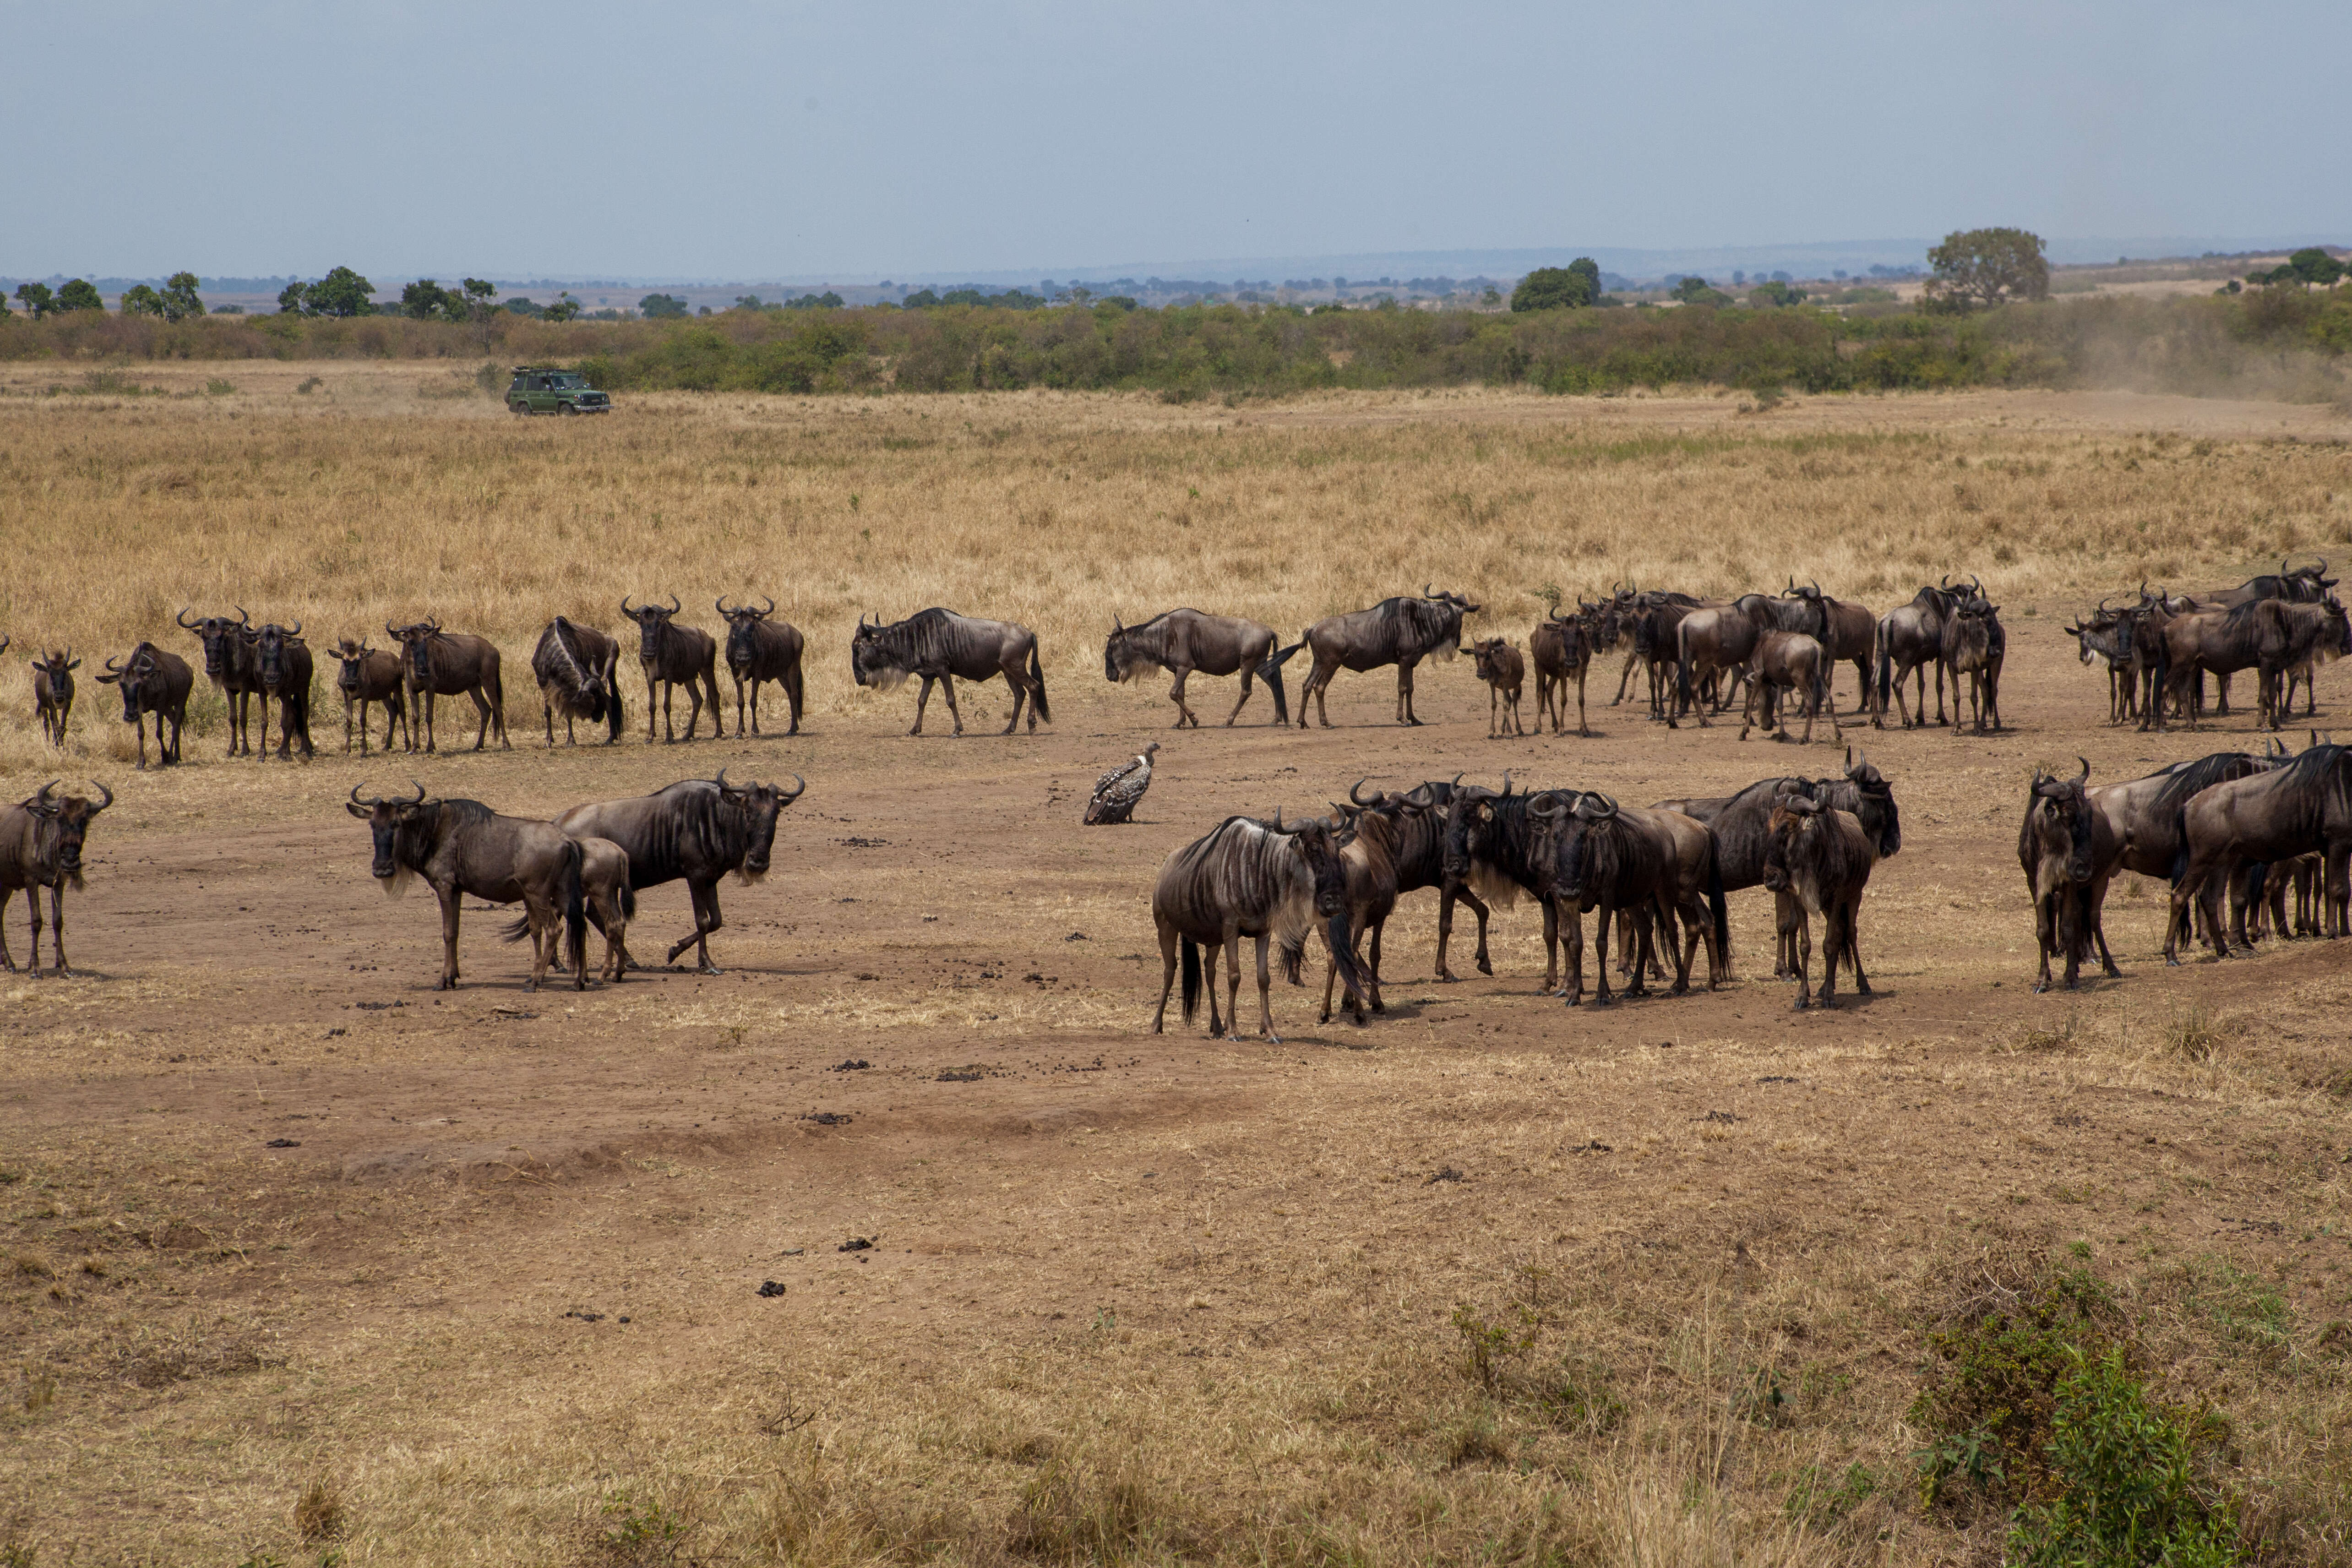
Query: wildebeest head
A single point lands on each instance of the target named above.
(1320, 845)
(415, 641)
(2062, 815)
(220, 635)
(1470, 819)
(743, 641)
(141, 683)
(64, 822)
(1604, 623)
(871, 656)
(2308, 585)
(1878, 800)
(352, 654)
(1795, 818)
(1121, 660)
(270, 644)
(1458, 608)
(752, 809)
(651, 622)
(1485, 656)
(56, 667)
(2336, 642)
(401, 829)
(1565, 822)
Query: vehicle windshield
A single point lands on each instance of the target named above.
(570, 383)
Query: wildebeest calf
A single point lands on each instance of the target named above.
(1504, 672)
(1788, 661)
(53, 694)
(1821, 857)
(2067, 849)
(369, 675)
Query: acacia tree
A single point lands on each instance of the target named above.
(78, 294)
(139, 299)
(2309, 266)
(38, 301)
(1984, 267)
(178, 297)
(1559, 288)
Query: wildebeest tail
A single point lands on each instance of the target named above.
(1192, 951)
(2181, 850)
(1886, 670)
(575, 910)
(1038, 675)
(1716, 911)
(1271, 673)
(629, 902)
(613, 699)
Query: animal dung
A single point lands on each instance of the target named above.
(856, 1244)
(1445, 1174)
(767, 1288)
(855, 1064)
(828, 1118)
(282, 1144)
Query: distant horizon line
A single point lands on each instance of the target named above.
(1359, 267)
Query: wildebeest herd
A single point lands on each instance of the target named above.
(2239, 826)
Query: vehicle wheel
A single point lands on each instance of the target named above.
(568, 407)
(523, 408)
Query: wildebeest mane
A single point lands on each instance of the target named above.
(2187, 780)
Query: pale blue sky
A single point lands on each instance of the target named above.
(736, 140)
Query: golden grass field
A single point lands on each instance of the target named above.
(1129, 1299)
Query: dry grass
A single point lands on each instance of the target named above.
(1131, 1300)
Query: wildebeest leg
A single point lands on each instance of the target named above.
(1446, 897)
(1249, 673)
(1234, 988)
(1265, 990)
(1580, 729)
(1166, 975)
(141, 722)
(448, 897)
(5, 957)
(1601, 914)
(2045, 935)
(1330, 975)
(1211, 952)
(2338, 891)
(1020, 689)
(1176, 695)
(706, 921)
(792, 684)
(1625, 678)
(33, 908)
(947, 690)
(392, 711)
(922, 701)
(1378, 926)
(1405, 692)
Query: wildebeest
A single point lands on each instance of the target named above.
(369, 675)
(153, 681)
(435, 663)
(40, 847)
(1974, 646)
(1821, 857)
(283, 660)
(1504, 672)
(578, 670)
(462, 847)
(1593, 855)
(1786, 661)
(2108, 634)
(671, 655)
(2275, 636)
(1270, 881)
(759, 649)
(611, 902)
(1718, 639)
(1653, 637)
(2067, 850)
(1490, 847)
(2143, 815)
(698, 829)
(2302, 586)
(1419, 819)
(53, 694)
(1849, 635)
(231, 664)
(1562, 648)
(1910, 639)
(2299, 807)
(941, 645)
(1402, 631)
(1367, 848)
(1183, 641)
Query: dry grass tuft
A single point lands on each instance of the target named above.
(318, 1515)
(2193, 1033)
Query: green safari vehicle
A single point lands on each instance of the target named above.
(538, 389)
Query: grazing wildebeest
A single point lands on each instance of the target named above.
(939, 646)
(2067, 850)
(1181, 641)
(1849, 635)
(1504, 672)
(1402, 631)
(463, 847)
(1974, 646)
(53, 694)
(759, 649)
(2303, 807)
(1490, 847)
(436, 663)
(369, 675)
(1270, 881)
(1786, 661)
(1742, 825)
(40, 847)
(1911, 638)
(1368, 853)
(1419, 816)
(578, 670)
(698, 829)
(1593, 855)
(672, 656)
(1821, 857)
(1562, 647)
(153, 681)
(231, 664)
(1717, 640)
(284, 661)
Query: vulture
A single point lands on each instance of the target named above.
(1117, 790)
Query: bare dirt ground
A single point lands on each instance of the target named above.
(482, 1272)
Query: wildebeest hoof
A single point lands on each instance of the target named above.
(1484, 967)
(2040, 986)
(445, 984)
(708, 969)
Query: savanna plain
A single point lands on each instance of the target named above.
(903, 1240)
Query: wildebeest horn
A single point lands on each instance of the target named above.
(624, 608)
(297, 630)
(1507, 783)
(673, 605)
(1426, 593)
(721, 780)
(241, 619)
(1357, 798)
(771, 605)
(420, 793)
(720, 604)
(801, 790)
(1547, 808)
(185, 624)
(1605, 809)
(106, 797)
(2086, 769)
